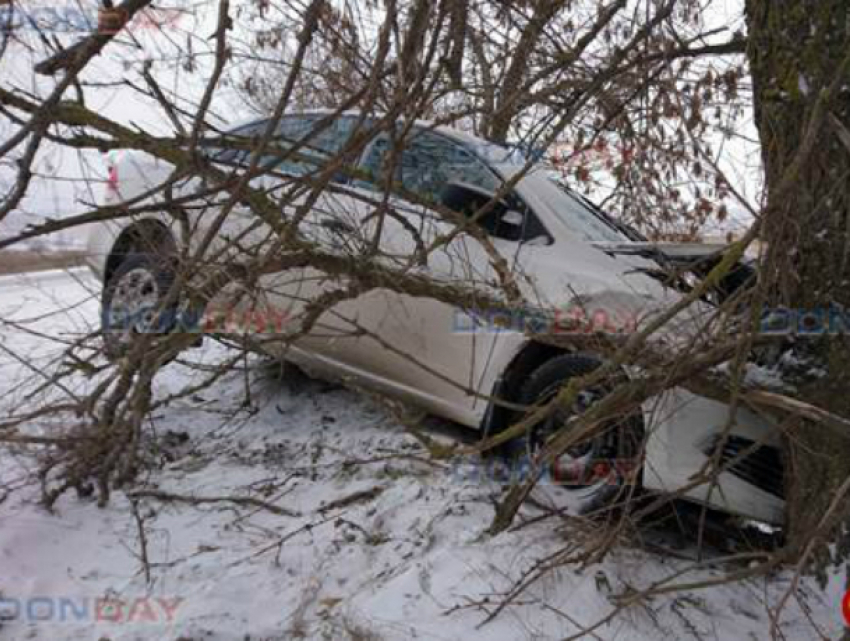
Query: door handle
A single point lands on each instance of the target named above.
(337, 226)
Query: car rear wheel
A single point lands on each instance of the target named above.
(132, 302)
(596, 470)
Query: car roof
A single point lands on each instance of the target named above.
(450, 132)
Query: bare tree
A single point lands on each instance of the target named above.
(227, 211)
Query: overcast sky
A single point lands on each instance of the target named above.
(61, 192)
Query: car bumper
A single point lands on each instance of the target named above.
(688, 434)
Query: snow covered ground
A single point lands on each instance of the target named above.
(371, 540)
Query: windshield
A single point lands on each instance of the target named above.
(576, 214)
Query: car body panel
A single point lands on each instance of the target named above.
(448, 360)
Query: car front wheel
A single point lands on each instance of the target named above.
(596, 470)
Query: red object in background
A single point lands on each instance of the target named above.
(845, 607)
(112, 178)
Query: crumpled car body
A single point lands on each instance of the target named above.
(568, 259)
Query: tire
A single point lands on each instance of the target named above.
(131, 299)
(594, 472)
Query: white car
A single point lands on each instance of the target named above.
(563, 253)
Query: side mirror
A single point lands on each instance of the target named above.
(513, 217)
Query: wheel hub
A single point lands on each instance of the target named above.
(133, 305)
(581, 464)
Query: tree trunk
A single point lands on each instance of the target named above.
(798, 51)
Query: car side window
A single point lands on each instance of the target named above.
(430, 162)
(427, 164)
(291, 131)
(316, 148)
(232, 156)
(335, 136)
(440, 170)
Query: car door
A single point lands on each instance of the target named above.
(430, 349)
(236, 239)
(275, 303)
(339, 224)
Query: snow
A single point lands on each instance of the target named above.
(408, 561)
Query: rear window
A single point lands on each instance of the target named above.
(293, 130)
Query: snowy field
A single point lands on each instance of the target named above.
(359, 535)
